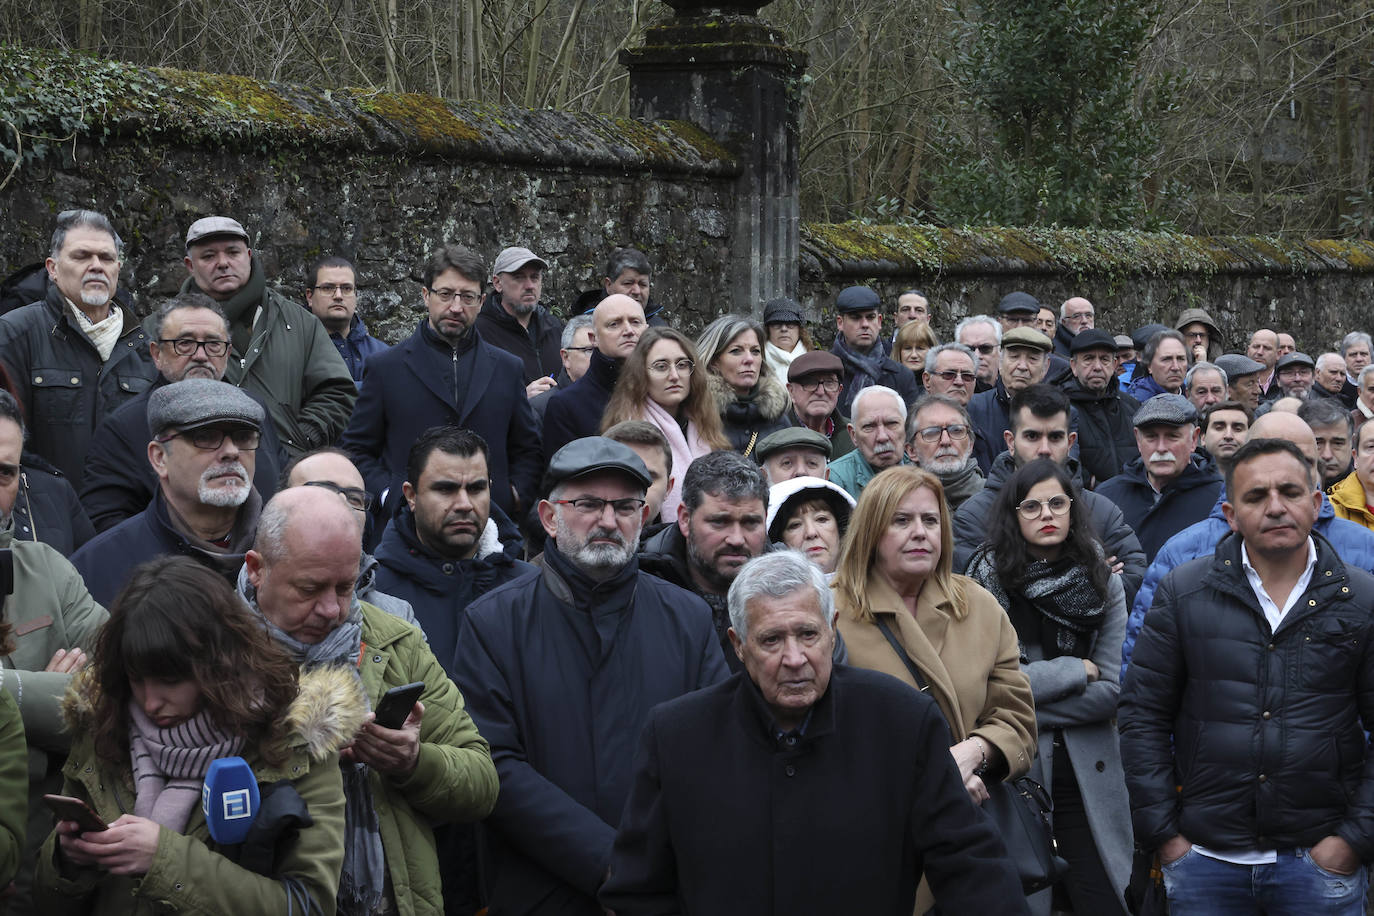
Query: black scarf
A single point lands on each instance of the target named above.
(1054, 604)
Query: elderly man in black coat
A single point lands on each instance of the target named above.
(790, 753)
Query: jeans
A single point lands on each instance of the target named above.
(1199, 885)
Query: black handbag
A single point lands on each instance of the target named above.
(1019, 810)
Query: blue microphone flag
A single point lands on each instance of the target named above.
(229, 799)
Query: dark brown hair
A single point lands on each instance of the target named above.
(179, 620)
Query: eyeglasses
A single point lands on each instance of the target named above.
(684, 366)
(356, 497)
(829, 385)
(950, 375)
(210, 438)
(579, 349)
(984, 349)
(1030, 508)
(187, 346)
(592, 505)
(448, 295)
(932, 433)
(329, 289)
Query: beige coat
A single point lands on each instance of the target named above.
(971, 662)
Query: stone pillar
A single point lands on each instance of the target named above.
(717, 65)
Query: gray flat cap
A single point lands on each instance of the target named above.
(197, 402)
(1296, 358)
(592, 454)
(1027, 337)
(214, 227)
(512, 259)
(792, 437)
(1166, 410)
(1237, 365)
(1124, 342)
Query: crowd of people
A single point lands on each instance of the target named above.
(527, 614)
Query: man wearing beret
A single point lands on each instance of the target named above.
(859, 320)
(204, 451)
(793, 452)
(813, 382)
(560, 668)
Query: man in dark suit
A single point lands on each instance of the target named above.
(444, 374)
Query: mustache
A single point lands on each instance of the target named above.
(1162, 456)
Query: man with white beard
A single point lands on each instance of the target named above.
(78, 354)
(204, 451)
(939, 439)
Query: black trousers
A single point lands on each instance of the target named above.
(1086, 885)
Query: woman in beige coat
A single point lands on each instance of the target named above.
(895, 572)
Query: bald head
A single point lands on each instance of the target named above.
(306, 517)
(1284, 425)
(1264, 348)
(617, 323)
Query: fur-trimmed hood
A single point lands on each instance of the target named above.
(768, 399)
(328, 710)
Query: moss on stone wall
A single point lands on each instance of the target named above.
(58, 97)
(866, 250)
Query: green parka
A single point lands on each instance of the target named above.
(454, 780)
(13, 788)
(188, 875)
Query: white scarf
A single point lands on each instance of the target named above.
(780, 360)
(104, 333)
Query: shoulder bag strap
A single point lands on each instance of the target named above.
(901, 653)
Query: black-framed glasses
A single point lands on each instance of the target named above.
(356, 497)
(210, 438)
(932, 433)
(828, 385)
(1031, 508)
(187, 346)
(579, 349)
(684, 366)
(329, 289)
(950, 375)
(448, 295)
(593, 505)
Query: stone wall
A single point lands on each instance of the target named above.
(379, 179)
(1316, 289)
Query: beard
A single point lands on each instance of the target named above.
(599, 561)
(221, 495)
(945, 464)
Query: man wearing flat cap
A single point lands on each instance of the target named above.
(793, 452)
(1020, 310)
(813, 383)
(560, 669)
(859, 320)
(1024, 362)
(1242, 378)
(1169, 486)
(1106, 437)
(204, 452)
(276, 351)
(515, 320)
(1295, 371)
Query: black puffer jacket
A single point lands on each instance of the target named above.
(1262, 730)
(1106, 435)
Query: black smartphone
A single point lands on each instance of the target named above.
(74, 809)
(396, 704)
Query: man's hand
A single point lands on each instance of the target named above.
(127, 848)
(1173, 849)
(393, 751)
(67, 661)
(1115, 565)
(1199, 353)
(539, 386)
(1335, 855)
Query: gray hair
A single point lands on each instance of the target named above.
(1353, 338)
(623, 259)
(1204, 366)
(933, 354)
(932, 400)
(716, 336)
(1363, 372)
(68, 220)
(1325, 412)
(725, 475)
(775, 575)
(971, 320)
(10, 410)
(877, 389)
(270, 538)
(187, 300)
(1326, 358)
(575, 324)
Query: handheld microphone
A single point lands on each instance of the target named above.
(229, 799)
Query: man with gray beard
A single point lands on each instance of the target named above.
(204, 451)
(939, 439)
(560, 668)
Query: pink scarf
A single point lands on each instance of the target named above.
(686, 449)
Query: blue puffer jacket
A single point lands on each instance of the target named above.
(1354, 544)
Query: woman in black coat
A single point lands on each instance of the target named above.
(751, 401)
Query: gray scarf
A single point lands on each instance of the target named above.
(962, 484)
(866, 369)
(170, 764)
(362, 884)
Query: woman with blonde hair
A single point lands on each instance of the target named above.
(896, 592)
(909, 347)
(656, 385)
(751, 401)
